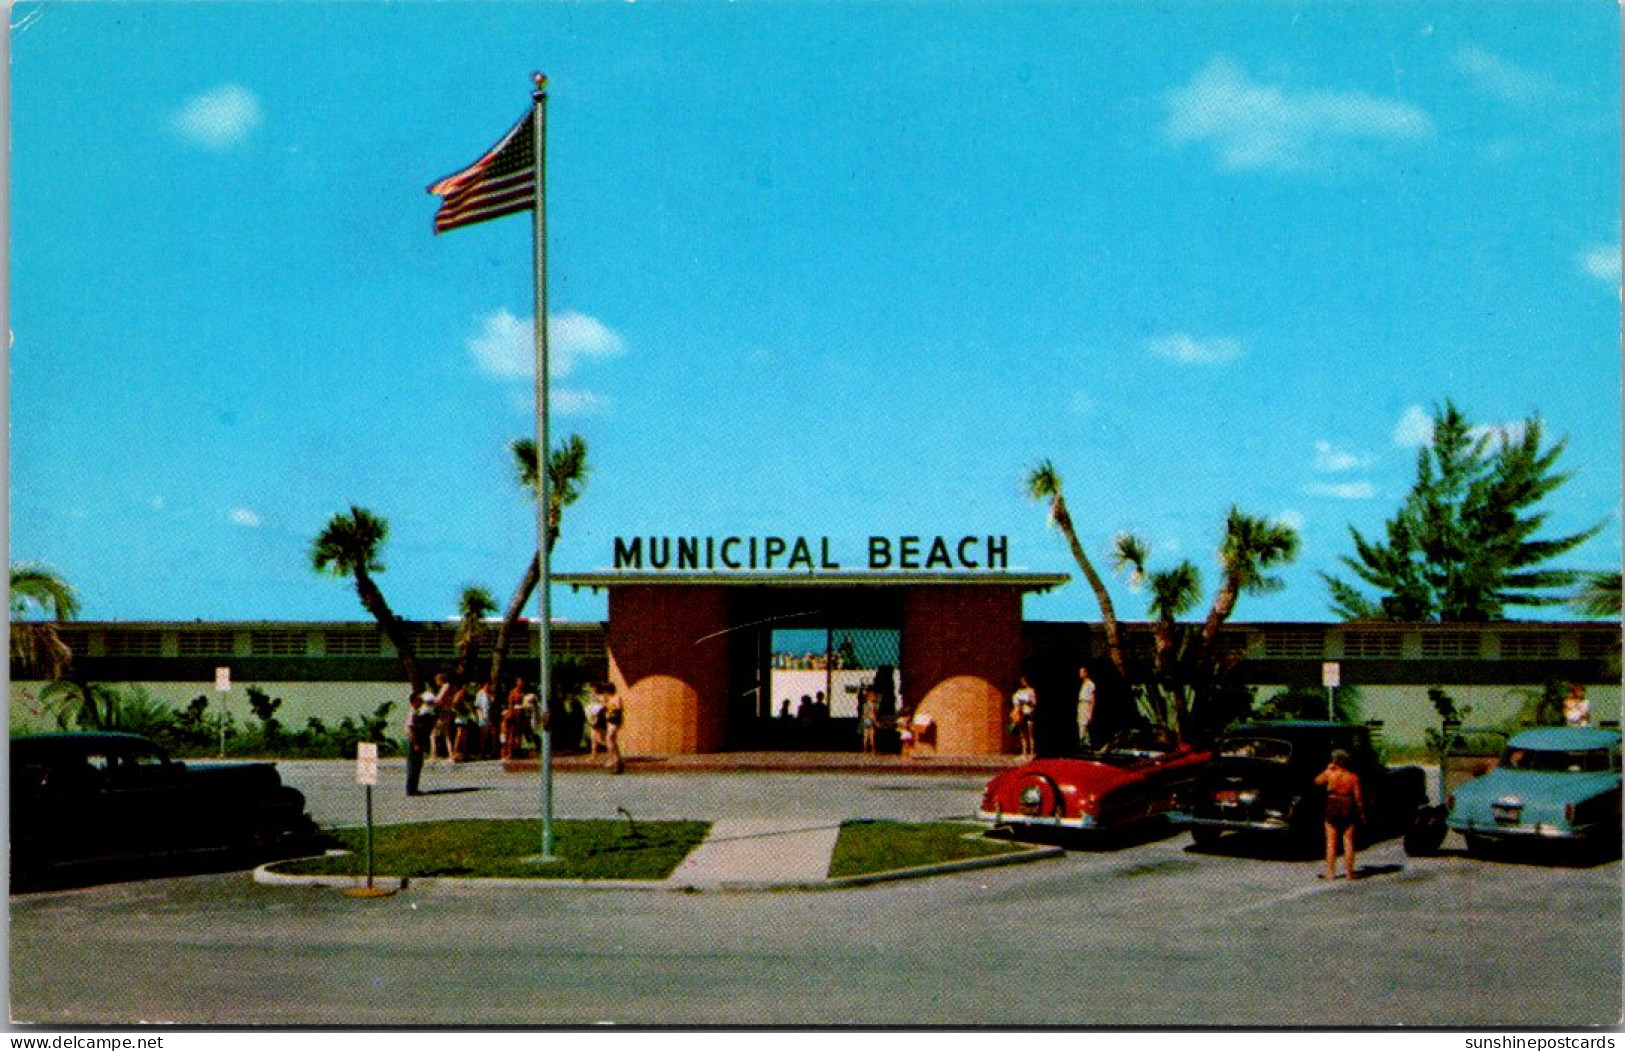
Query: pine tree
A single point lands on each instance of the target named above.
(1465, 544)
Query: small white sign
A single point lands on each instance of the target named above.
(222, 680)
(366, 763)
(1331, 674)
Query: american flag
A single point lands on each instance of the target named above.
(500, 183)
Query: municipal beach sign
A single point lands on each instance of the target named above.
(789, 553)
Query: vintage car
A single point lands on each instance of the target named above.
(1553, 783)
(108, 797)
(1262, 780)
(1131, 780)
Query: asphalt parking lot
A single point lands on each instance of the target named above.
(1149, 933)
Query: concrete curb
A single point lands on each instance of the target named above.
(264, 875)
(867, 878)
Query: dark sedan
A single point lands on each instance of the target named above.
(108, 798)
(1262, 780)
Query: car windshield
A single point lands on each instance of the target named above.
(1134, 747)
(1573, 761)
(1266, 748)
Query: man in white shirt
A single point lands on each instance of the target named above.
(1086, 707)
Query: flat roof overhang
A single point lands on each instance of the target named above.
(1025, 582)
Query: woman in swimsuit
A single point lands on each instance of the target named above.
(1345, 811)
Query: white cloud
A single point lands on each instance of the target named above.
(1499, 433)
(1081, 404)
(1252, 126)
(1342, 490)
(1331, 459)
(1293, 520)
(1414, 429)
(1602, 262)
(577, 402)
(218, 118)
(504, 346)
(156, 503)
(1494, 76)
(1188, 350)
(244, 517)
(572, 336)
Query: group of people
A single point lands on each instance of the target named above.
(810, 709)
(1024, 712)
(449, 722)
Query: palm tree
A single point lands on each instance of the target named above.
(1188, 667)
(1251, 545)
(36, 648)
(567, 471)
(87, 705)
(348, 546)
(1599, 596)
(1173, 594)
(1044, 483)
(473, 606)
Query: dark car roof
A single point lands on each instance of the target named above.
(81, 740)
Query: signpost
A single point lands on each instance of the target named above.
(366, 773)
(1331, 677)
(222, 686)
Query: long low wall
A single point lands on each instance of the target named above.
(1405, 711)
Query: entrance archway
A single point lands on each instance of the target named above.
(706, 662)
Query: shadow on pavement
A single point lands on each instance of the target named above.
(70, 875)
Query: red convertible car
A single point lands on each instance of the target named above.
(1131, 780)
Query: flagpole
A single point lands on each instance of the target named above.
(544, 590)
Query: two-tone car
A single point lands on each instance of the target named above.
(1132, 780)
(113, 798)
(1262, 781)
(1556, 783)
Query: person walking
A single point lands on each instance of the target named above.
(465, 725)
(1576, 709)
(596, 724)
(1345, 812)
(1086, 708)
(440, 740)
(488, 730)
(1023, 706)
(869, 718)
(516, 720)
(419, 725)
(613, 714)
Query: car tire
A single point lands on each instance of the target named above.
(1205, 836)
(1426, 833)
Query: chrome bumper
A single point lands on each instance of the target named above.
(994, 817)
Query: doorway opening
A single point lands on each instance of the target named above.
(809, 681)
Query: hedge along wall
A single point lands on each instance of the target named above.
(327, 701)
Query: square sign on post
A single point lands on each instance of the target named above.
(366, 763)
(222, 680)
(1331, 674)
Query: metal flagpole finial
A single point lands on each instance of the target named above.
(540, 80)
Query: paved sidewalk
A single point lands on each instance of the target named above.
(760, 852)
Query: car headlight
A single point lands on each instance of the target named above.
(1247, 798)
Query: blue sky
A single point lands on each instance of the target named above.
(816, 269)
